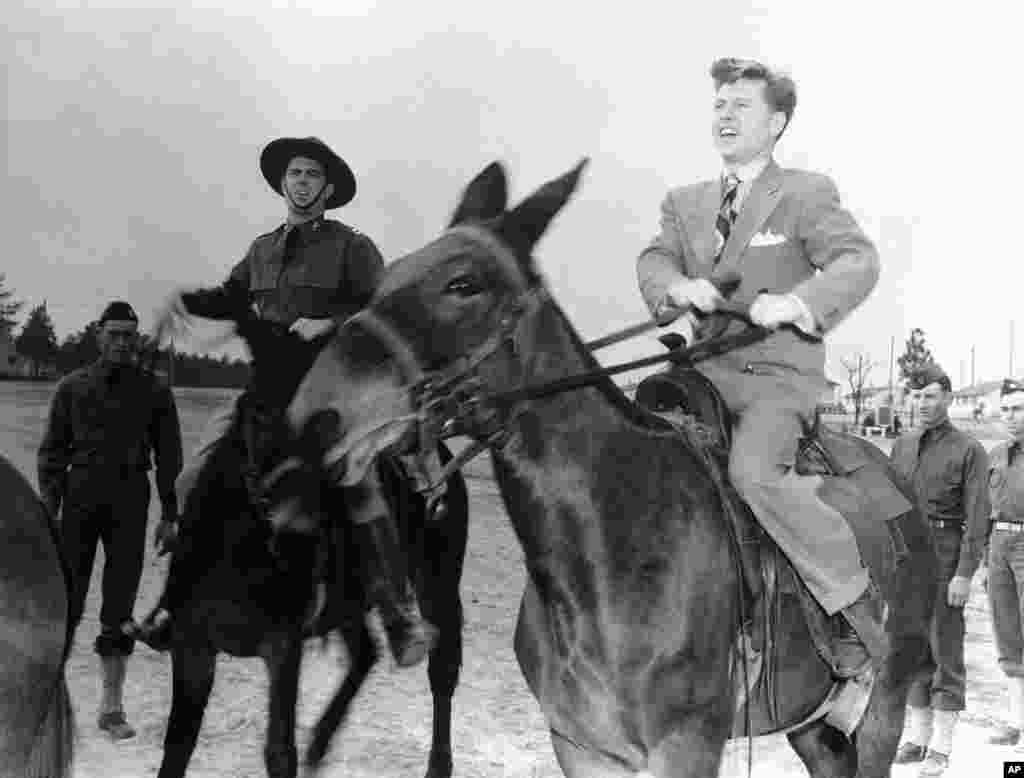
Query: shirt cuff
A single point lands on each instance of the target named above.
(806, 321)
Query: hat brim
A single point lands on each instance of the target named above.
(278, 153)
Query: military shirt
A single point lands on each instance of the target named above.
(1006, 481)
(109, 418)
(315, 270)
(949, 471)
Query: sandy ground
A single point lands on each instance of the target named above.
(497, 727)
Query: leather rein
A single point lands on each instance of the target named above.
(444, 399)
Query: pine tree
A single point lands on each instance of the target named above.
(9, 308)
(38, 340)
(915, 355)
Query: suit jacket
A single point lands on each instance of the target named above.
(791, 235)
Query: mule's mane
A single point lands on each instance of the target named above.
(630, 410)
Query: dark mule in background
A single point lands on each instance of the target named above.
(252, 589)
(36, 723)
(630, 620)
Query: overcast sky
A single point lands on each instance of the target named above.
(133, 135)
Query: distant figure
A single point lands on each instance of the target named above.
(897, 425)
(104, 421)
(785, 231)
(1006, 556)
(303, 275)
(949, 471)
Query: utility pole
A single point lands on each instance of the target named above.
(1010, 374)
(892, 362)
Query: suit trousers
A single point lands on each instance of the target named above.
(774, 403)
(943, 683)
(1006, 598)
(109, 507)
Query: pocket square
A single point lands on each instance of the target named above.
(768, 238)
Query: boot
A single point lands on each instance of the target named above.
(111, 716)
(411, 637)
(941, 747)
(918, 736)
(1013, 734)
(861, 636)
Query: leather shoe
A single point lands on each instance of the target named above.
(1008, 736)
(909, 753)
(935, 763)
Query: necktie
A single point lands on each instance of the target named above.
(726, 214)
(291, 242)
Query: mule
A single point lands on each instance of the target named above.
(253, 594)
(36, 719)
(632, 614)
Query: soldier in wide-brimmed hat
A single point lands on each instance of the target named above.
(304, 275)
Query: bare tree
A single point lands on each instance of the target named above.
(858, 370)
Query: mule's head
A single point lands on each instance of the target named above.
(443, 318)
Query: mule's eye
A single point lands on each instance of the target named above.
(463, 286)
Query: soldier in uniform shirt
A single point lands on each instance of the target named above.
(304, 275)
(105, 420)
(949, 471)
(1006, 556)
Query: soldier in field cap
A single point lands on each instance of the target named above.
(304, 275)
(105, 421)
(1006, 556)
(949, 470)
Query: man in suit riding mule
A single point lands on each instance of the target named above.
(804, 261)
(304, 275)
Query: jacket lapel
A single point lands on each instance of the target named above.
(760, 202)
(700, 224)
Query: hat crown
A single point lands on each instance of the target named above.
(118, 310)
(278, 153)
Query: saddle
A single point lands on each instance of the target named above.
(851, 482)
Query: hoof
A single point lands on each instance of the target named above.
(413, 646)
(115, 725)
(440, 765)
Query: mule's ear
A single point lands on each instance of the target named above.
(525, 224)
(486, 196)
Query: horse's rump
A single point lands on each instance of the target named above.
(36, 724)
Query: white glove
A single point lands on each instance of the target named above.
(308, 329)
(773, 310)
(170, 320)
(696, 293)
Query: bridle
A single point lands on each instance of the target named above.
(454, 400)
